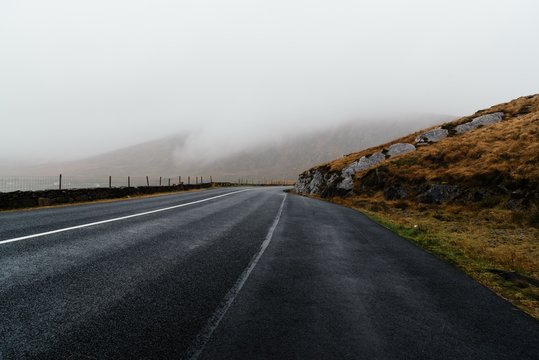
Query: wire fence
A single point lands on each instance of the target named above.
(14, 183)
(36, 183)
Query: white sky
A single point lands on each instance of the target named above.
(84, 77)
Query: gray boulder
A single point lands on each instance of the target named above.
(400, 148)
(363, 163)
(432, 136)
(332, 179)
(315, 182)
(315, 186)
(479, 121)
(300, 186)
(347, 184)
(303, 185)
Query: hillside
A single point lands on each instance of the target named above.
(467, 190)
(280, 158)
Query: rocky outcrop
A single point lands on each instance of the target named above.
(316, 182)
(479, 121)
(363, 163)
(321, 181)
(309, 182)
(441, 166)
(432, 136)
(399, 149)
(488, 189)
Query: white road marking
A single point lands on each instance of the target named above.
(116, 219)
(205, 334)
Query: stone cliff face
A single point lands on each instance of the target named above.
(320, 181)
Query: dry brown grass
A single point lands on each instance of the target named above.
(509, 146)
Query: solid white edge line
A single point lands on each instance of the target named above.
(117, 219)
(197, 346)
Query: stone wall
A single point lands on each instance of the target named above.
(28, 199)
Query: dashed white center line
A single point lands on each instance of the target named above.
(205, 334)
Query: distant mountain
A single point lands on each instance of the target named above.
(282, 158)
(286, 158)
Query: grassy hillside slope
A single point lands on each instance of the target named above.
(471, 198)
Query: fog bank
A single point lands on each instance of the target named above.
(82, 78)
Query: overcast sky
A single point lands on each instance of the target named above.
(83, 77)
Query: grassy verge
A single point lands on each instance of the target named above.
(493, 245)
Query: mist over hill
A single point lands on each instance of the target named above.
(277, 158)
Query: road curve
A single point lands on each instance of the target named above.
(232, 274)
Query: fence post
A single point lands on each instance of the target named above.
(129, 181)
(168, 181)
(211, 179)
(147, 181)
(201, 180)
(159, 180)
(110, 181)
(60, 182)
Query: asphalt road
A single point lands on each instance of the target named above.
(223, 274)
